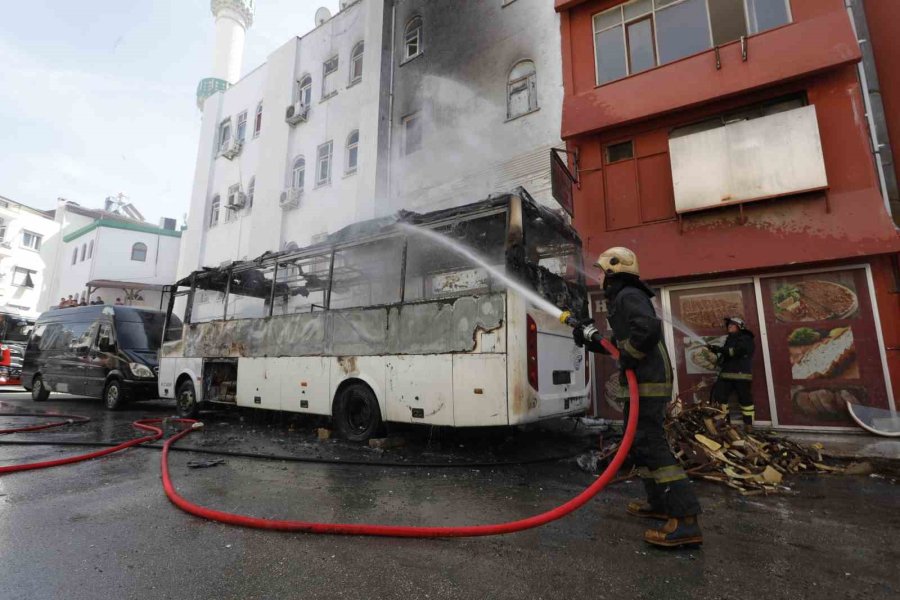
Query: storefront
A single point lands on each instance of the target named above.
(818, 344)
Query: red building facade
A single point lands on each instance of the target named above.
(727, 142)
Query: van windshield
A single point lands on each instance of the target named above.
(145, 334)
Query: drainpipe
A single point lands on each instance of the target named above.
(390, 135)
(868, 60)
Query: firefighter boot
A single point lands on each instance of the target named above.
(684, 531)
(645, 510)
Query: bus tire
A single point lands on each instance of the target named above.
(357, 416)
(113, 395)
(186, 400)
(39, 393)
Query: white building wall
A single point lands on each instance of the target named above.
(18, 219)
(111, 259)
(269, 157)
(458, 85)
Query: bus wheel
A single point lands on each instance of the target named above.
(356, 413)
(39, 393)
(113, 396)
(186, 400)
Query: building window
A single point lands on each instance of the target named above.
(521, 92)
(231, 201)
(75, 255)
(329, 76)
(642, 34)
(356, 63)
(83, 252)
(620, 151)
(242, 126)
(31, 240)
(139, 252)
(224, 134)
(323, 163)
(412, 39)
(304, 90)
(352, 151)
(298, 173)
(214, 211)
(412, 133)
(91, 249)
(2, 230)
(251, 190)
(22, 277)
(257, 121)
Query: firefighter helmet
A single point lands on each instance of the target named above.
(618, 260)
(737, 321)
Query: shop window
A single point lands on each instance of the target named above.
(638, 181)
(642, 34)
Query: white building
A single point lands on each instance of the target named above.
(24, 232)
(102, 253)
(386, 105)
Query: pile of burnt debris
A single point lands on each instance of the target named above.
(710, 447)
(753, 462)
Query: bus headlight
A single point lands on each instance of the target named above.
(140, 370)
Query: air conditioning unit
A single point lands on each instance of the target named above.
(290, 198)
(232, 149)
(240, 201)
(296, 113)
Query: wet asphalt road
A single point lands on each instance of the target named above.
(104, 528)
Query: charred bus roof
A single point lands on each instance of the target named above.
(369, 230)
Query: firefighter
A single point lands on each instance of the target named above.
(637, 332)
(735, 361)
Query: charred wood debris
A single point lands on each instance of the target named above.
(711, 448)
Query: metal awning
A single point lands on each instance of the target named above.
(131, 289)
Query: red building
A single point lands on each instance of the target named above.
(730, 144)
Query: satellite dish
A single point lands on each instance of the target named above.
(322, 15)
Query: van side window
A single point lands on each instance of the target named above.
(52, 338)
(35, 342)
(105, 338)
(83, 342)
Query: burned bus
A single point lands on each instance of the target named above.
(378, 323)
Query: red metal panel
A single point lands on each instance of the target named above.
(777, 55)
(657, 192)
(623, 208)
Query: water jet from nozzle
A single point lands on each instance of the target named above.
(451, 244)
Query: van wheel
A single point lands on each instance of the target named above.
(113, 396)
(356, 413)
(186, 400)
(39, 393)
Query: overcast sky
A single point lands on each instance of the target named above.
(97, 97)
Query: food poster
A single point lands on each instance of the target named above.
(823, 347)
(698, 319)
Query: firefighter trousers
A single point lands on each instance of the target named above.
(667, 485)
(724, 388)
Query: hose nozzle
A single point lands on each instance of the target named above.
(567, 318)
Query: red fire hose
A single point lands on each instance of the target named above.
(347, 528)
(145, 424)
(69, 420)
(414, 532)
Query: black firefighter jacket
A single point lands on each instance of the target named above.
(638, 331)
(736, 359)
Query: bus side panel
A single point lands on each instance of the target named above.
(259, 383)
(305, 385)
(170, 369)
(479, 390)
(522, 402)
(369, 369)
(420, 385)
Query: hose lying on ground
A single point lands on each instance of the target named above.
(352, 528)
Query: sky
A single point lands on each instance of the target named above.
(98, 96)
